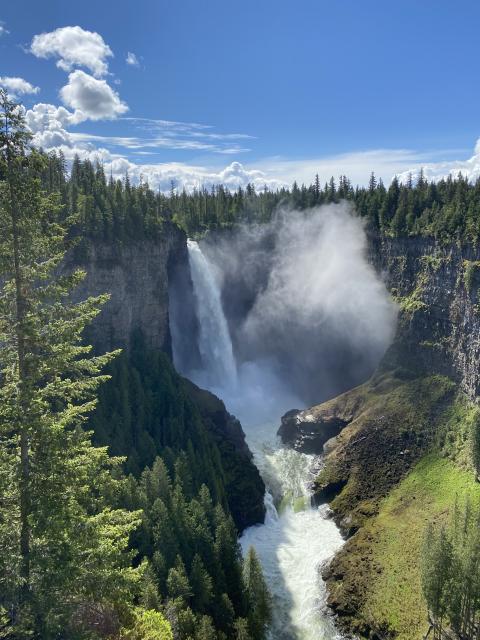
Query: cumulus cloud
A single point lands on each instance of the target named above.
(189, 177)
(132, 59)
(3, 29)
(74, 47)
(469, 167)
(93, 98)
(17, 86)
(48, 124)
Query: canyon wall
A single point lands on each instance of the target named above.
(437, 288)
(138, 276)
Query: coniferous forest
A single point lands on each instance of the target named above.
(111, 208)
(239, 320)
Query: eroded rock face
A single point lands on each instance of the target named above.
(308, 431)
(394, 417)
(438, 288)
(148, 282)
(136, 276)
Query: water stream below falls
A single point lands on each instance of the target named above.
(296, 538)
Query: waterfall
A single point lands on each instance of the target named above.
(295, 538)
(215, 344)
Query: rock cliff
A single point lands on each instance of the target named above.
(138, 276)
(437, 288)
(149, 282)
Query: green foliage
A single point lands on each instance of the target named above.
(176, 459)
(147, 410)
(258, 596)
(80, 543)
(65, 565)
(451, 573)
(148, 625)
(475, 432)
(437, 571)
(382, 564)
(471, 274)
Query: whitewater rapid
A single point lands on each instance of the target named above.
(296, 539)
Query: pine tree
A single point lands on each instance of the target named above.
(241, 629)
(475, 430)
(436, 575)
(259, 599)
(205, 629)
(62, 548)
(201, 583)
(177, 581)
(149, 625)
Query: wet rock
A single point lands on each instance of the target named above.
(308, 433)
(328, 492)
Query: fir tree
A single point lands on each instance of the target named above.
(258, 596)
(62, 548)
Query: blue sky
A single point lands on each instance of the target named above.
(269, 90)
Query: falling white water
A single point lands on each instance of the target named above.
(296, 539)
(214, 341)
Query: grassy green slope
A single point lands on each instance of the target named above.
(377, 574)
(394, 597)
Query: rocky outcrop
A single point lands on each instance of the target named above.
(137, 276)
(437, 289)
(151, 296)
(308, 431)
(244, 485)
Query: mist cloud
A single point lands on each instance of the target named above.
(300, 294)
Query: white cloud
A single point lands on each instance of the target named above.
(189, 177)
(74, 47)
(132, 59)
(356, 165)
(469, 167)
(3, 29)
(17, 86)
(48, 125)
(92, 98)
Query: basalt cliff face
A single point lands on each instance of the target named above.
(138, 276)
(373, 436)
(437, 287)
